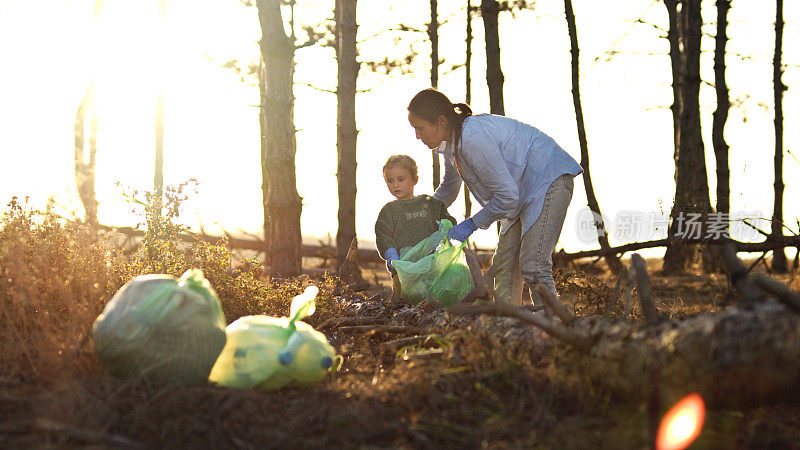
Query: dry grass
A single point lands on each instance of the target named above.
(464, 390)
(56, 276)
(54, 280)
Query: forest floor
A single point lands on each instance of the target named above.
(461, 388)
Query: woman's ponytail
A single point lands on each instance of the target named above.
(462, 109)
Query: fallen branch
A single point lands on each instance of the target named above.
(318, 251)
(523, 314)
(560, 310)
(742, 356)
(779, 290)
(738, 276)
(480, 289)
(775, 242)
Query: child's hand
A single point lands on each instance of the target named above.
(462, 231)
(391, 255)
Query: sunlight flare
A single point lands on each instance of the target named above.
(682, 423)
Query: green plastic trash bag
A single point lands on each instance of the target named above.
(434, 270)
(268, 353)
(163, 329)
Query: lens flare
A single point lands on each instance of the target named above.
(682, 423)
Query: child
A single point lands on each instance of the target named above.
(404, 222)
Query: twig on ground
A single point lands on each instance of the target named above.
(645, 290)
(335, 322)
(393, 346)
(373, 329)
(359, 286)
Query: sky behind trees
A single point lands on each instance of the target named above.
(211, 115)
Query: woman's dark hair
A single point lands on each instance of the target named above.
(429, 104)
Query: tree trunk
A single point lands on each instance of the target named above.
(262, 121)
(602, 236)
(778, 256)
(721, 114)
(676, 63)
(691, 186)
(283, 204)
(85, 171)
(673, 36)
(433, 35)
(710, 262)
(346, 29)
(158, 178)
(468, 99)
(494, 74)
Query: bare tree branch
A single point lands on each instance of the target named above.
(317, 88)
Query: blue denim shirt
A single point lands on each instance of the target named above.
(508, 166)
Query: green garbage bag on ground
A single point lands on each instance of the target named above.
(434, 270)
(162, 329)
(268, 353)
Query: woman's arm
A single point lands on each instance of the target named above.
(443, 214)
(447, 192)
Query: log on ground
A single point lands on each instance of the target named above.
(734, 358)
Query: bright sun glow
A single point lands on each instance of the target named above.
(211, 129)
(682, 423)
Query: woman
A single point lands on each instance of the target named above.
(518, 174)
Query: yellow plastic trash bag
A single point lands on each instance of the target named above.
(268, 353)
(163, 329)
(434, 270)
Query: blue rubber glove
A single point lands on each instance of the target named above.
(462, 231)
(390, 255)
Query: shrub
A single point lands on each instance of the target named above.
(56, 276)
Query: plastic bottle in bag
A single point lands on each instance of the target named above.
(268, 353)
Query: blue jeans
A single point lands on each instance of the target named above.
(529, 257)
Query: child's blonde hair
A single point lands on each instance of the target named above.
(404, 162)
